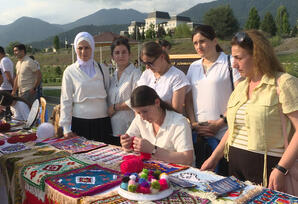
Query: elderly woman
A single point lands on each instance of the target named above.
(169, 82)
(254, 115)
(157, 129)
(84, 108)
(123, 81)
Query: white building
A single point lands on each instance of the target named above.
(160, 18)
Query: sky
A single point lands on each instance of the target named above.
(67, 11)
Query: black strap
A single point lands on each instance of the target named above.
(103, 76)
(231, 73)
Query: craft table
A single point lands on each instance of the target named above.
(12, 184)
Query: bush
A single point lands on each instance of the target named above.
(275, 41)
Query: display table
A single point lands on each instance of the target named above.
(25, 178)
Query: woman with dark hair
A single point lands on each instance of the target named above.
(260, 112)
(20, 107)
(169, 82)
(123, 81)
(212, 81)
(158, 129)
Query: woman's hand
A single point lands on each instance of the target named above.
(70, 135)
(142, 145)
(276, 180)
(210, 164)
(111, 111)
(126, 142)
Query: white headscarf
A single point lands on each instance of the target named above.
(87, 67)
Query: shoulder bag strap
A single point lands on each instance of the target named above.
(231, 73)
(103, 76)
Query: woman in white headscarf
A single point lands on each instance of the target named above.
(84, 109)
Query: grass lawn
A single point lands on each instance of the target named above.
(51, 92)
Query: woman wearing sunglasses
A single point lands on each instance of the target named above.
(157, 129)
(212, 81)
(123, 81)
(169, 82)
(254, 142)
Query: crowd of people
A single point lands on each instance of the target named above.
(243, 106)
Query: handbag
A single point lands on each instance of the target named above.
(291, 179)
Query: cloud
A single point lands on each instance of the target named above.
(66, 11)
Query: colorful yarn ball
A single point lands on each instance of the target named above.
(144, 190)
(155, 184)
(124, 186)
(45, 131)
(144, 176)
(163, 184)
(145, 156)
(146, 171)
(132, 188)
(150, 178)
(132, 182)
(164, 176)
(141, 180)
(125, 179)
(133, 177)
(145, 184)
(133, 164)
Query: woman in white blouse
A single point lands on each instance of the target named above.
(158, 129)
(84, 108)
(169, 82)
(123, 81)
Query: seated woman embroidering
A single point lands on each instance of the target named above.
(158, 129)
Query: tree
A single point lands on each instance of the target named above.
(56, 42)
(294, 31)
(268, 24)
(160, 32)
(282, 21)
(222, 20)
(9, 48)
(150, 33)
(253, 21)
(182, 31)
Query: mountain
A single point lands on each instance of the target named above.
(241, 9)
(108, 17)
(70, 35)
(25, 29)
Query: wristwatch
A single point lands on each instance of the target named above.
(224, 118)
(282, 169)
(154, 150)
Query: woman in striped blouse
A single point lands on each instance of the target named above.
(254, 135)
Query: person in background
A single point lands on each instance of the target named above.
(28, 76)
(157, 129)
(6, 67)
(165, 45)
(211, 86)
(84, 108)
(39, 88)
(20, 107)
(123, 81)
(254, 115)
(169, 82)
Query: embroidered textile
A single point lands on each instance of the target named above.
(12, 164)
(35, 174)
(203, 178)
(269, 196)
(80, 182)
(8, 148)
(163, 166)
(182, 197)
(109, 156)
(77, 144)
(114, 199)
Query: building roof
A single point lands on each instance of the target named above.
(107, 38)
(181, 18)
(135, 23)
(159, 14)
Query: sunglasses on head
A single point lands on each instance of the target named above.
(243, 38)
(149, 64)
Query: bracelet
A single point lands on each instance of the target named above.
(282, 169)
(114, 107)
(154, 150)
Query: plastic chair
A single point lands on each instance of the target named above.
(43, 103)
